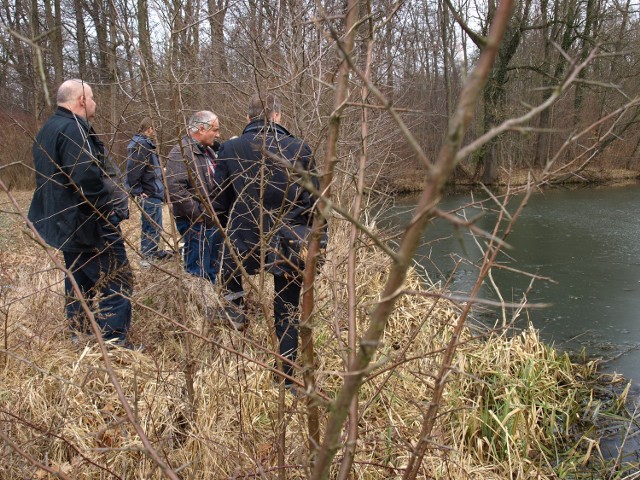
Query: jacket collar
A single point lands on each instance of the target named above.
(197, 147)
(65, 112)
(260, 126)
(139, 138)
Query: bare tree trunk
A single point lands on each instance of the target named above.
(54, 24)
(36, 108)
(352, 428)
(321, 468)
(588, 35)
(81, 38)
(563, 20)
(217, 13)
(113, 67)
(446, 64)
(101, 23)
(402, 259)
(494, 94)
(144, 40)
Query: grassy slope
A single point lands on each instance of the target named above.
(512, 406)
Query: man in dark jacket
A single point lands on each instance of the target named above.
(77, 207)
(260, 195)
(190, 170)
(144, 177)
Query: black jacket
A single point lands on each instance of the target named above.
(77, 186)
(144, 174)
(190, 180)
(258, 190)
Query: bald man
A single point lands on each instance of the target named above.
(77, 207)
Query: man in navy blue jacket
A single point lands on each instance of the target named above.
(144, 177)
(260, 195)
(77, 207)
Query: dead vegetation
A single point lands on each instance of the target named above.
(207, 400)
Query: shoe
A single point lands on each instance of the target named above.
(236, 318)
(163, 254)
(80, 339)
(124, 343)
(294, 390)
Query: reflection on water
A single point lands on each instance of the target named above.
(585, 240)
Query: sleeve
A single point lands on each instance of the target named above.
(137, 160)
(301, 199)
(223, 195)
(181, 192)
(115, 183)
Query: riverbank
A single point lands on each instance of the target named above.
(204, 396)
(411, 181)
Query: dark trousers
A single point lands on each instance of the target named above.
(106, 274)
(286, 306)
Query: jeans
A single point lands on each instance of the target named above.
(201, 249)
(151, 226)
(107, 273)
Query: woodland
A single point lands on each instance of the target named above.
(397, 380)
(169, 58)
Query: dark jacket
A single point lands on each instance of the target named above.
(257, 190)
(189, 175)
(77, 186)
(144, 174)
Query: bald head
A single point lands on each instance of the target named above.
(77, 96)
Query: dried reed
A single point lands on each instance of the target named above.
(512, 409)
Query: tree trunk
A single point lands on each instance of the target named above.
(588, 43)
(217, 13)
(81, 37)
(144, 39)
(494, 92)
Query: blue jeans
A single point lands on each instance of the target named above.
(201, 249)
(107, 273)
(151, 226)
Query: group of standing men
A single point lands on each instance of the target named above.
(229, 202)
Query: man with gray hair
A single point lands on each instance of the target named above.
(190, 170)
(77, 208)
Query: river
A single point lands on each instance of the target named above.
(586, 241)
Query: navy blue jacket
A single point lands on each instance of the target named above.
(144, 174)
(77, 186)
(256, 189)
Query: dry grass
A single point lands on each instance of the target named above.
(510, 411)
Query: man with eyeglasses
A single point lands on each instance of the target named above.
(190, 170)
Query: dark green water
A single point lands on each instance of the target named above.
(587, 241)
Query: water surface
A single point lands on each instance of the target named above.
(586, 241)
